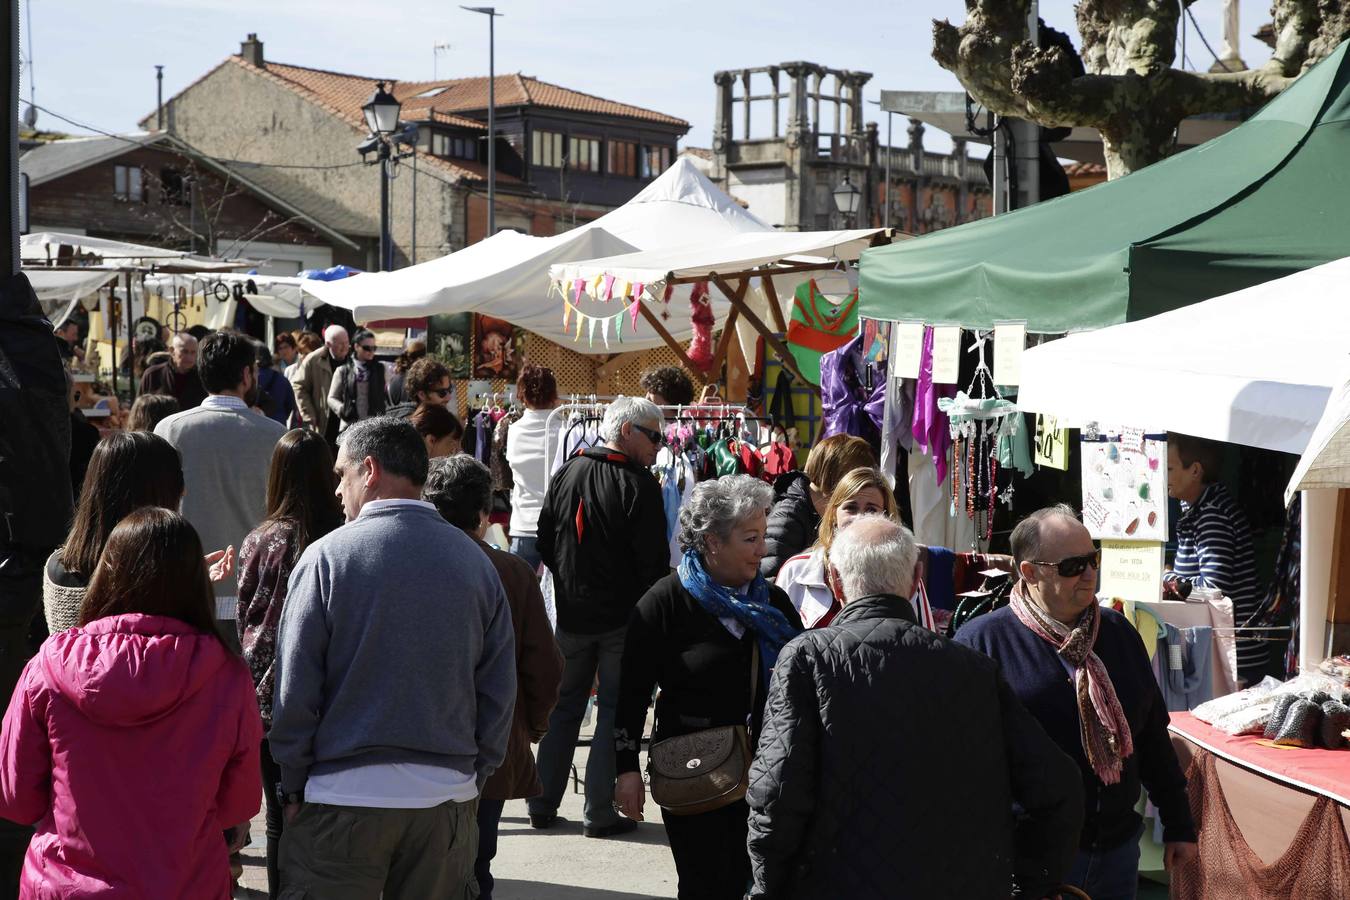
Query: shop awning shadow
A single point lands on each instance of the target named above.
(510, 889)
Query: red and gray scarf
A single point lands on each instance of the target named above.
(1105, 730)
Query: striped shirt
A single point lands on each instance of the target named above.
(1214, 550)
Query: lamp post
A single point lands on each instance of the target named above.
(492, 14)
(381, 114)
(846, 200)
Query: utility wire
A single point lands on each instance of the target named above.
(1204, 41)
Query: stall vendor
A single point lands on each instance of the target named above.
(1214, 541)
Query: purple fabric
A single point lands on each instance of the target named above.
(848, 406)
(931, 431)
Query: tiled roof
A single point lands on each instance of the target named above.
(54, 159)
(305, 200)
(1085, 170)
(471, 94)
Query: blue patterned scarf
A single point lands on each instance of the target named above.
(771, 628)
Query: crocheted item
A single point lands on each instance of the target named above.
(61, 605)
(700, 348)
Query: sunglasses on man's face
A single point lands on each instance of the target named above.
(655, 437)
(1073, 566)
(369, 348)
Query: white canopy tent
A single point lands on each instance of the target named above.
(506, 275)
(1326, 462)
(1254, 367)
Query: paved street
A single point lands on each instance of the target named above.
(558, 864)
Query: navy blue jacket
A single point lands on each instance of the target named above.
(1041, 681)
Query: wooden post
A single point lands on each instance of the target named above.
(673, 344)
(784, 355)
(728, 332)
(775, 308)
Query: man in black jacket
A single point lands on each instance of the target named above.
(891, 758)
(602, 533)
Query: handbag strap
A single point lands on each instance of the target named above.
(754, 675)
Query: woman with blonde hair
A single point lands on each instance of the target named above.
(800, 497)
(808, 579)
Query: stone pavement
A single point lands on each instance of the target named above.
(558, 864)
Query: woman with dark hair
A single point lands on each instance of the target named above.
(301, 508)
(151, 409)
(127, 471)
(413, 350)
(439, 427)
(538, 390)
(285, 351)
(132, 740)
(276, 396)
(427, 381)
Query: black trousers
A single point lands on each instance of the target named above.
(710, 855)
(271, 777)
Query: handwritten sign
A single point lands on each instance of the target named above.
(1125, 487)
(946, 354)
(1132, 570)
(906, 349)
(1010, 339)
(1052, 444)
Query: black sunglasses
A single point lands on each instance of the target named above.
(441, 392)
(1073, 566)
(655, 437)
(369, 348)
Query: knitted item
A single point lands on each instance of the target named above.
(61, 605)
(700, 348)
(1105, 730)
(1335, 720)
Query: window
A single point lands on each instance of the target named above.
(585, 154)
(547, 149)
(655, 160)
(623, 158)
(453, 147)
(173, 187)
(127, 184)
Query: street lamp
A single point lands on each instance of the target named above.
(381, 115)
(492, 14)
(846, 199)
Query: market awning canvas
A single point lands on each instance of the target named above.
(1326, 461)
(1255, 367)
(1269, 198)
(506, 275)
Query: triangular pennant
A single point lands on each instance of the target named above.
(577, 289)
(618, 325)
(625, 288)
(590, 337)
(604, 330)
(567, 315)
(608, 288)
(594, 287)
(581, 317)
(633, 313)
(637, 290)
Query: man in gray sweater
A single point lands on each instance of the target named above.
(395, 686)
(227, 451)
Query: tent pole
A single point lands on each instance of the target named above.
(784, 355)
(660, 329)
(775, 307)
(729, 328)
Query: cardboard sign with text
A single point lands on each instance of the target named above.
(1132, 570)
(946, 354)
(1010, 339)
(906, 349)
(1052, 444)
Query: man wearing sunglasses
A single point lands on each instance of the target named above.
(602, 533)
(1082, 671)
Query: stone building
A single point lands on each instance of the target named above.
(563, 157)
(786, 136)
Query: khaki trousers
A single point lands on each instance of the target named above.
(363, 853)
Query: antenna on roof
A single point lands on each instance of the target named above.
(30, 114)
(436, 50)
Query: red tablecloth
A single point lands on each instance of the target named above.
(1324, 772)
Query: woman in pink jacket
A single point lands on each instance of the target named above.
(131, 741)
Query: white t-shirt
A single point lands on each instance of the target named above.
(392, 786)
(525, 455)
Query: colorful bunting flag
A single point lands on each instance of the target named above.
(608, 288)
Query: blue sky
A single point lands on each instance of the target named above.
(94, 59)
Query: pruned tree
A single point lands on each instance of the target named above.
(1122, 82)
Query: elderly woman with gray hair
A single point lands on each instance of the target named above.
(702, 635)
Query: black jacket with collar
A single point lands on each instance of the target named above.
(888, 766)
(793, 522)
(602, 533)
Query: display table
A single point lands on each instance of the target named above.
(1272, 821)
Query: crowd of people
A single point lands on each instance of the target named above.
(313, 617)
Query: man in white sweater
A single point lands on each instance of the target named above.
(227, 452)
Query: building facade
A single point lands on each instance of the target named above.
(563, 157)
(785, 137)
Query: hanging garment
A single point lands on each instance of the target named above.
(934, 522)
(850, 405)
(818, 326)
(1014, 451)
(1182, 666)
(931, 429)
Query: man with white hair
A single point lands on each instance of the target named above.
(602, 533)
(178, 377)
(891, 758)
(314, 378)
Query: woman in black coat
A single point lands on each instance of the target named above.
(693, 635)
(800, 497)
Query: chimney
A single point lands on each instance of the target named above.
(252, 51)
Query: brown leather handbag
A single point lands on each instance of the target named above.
(705, 770)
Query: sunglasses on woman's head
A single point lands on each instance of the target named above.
(1073, 566)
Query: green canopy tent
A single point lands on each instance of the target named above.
(1269, 198)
